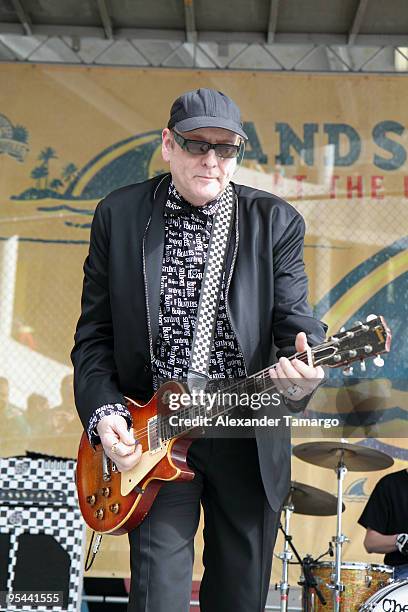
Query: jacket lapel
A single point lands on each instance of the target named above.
(153, 245)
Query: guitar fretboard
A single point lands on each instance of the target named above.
(212, 404)
(364, 340)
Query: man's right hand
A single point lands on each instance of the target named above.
(118, 443)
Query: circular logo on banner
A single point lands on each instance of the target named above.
(379, 286)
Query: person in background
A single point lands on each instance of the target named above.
(38, 415)
(141, 291)
(13, 423)
(65, 413)
(385, 518)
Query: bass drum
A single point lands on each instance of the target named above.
(391, 598)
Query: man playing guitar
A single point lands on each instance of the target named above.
(139, 307)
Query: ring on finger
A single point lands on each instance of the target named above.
(113, 448)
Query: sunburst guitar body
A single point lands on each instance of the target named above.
(112, 502)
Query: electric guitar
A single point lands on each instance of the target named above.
(114, 502)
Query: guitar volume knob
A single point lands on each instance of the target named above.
(106, 491)
(114, 508)
(91, 499)
(99, 513)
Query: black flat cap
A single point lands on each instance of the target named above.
(203, 108)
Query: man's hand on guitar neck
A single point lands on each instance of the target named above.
(295, 379)
(118, 442)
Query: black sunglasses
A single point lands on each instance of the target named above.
(199, 147)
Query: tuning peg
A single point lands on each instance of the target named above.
(363, 366)
(371, 317)
(348, 371)
(379, 361)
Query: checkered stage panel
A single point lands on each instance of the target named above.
(42, 534)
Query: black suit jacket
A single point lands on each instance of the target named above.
(266, 300)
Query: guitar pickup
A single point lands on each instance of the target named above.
(153, 436)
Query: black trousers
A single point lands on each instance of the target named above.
(239, 535)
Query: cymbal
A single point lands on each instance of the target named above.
(311, 500)
(356, 458)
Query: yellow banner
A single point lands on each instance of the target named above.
(335, 146)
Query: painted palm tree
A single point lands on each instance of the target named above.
(45, 156)
(68, 172)
(56, 184)
(20, 133)
(38, 173)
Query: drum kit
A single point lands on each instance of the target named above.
(335, 585)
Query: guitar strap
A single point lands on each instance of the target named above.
(211, 290)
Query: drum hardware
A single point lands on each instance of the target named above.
(340, 539)
(302, 499)
(309, 581)
(285, 557)
(368, 580)
(341, 456)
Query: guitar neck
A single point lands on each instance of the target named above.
(364, 340)
(212, 404)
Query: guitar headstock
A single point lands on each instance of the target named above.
(363, 341)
